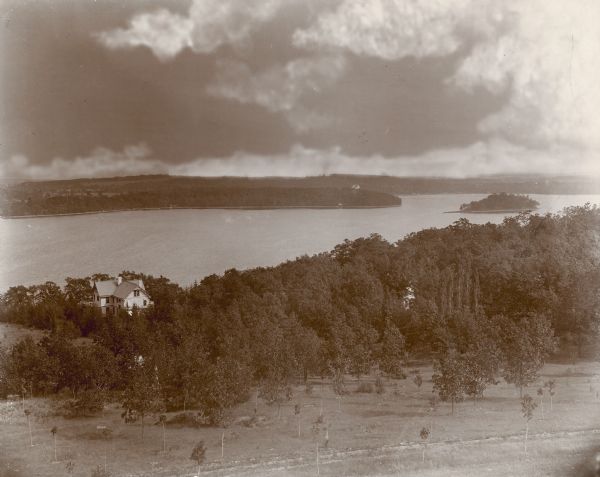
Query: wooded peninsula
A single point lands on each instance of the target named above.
(164, 192)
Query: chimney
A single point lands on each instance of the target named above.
(119, 280)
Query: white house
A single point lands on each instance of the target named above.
(409, 297)
(112, 295)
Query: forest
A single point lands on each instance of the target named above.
(481, 302)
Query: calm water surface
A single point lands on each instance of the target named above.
(186, 245)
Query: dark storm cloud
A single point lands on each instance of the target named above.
(392, 86)
(66, 95)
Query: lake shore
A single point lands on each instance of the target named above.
(283, 207)
(162, 242)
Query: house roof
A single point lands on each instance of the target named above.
(122, 290)
(106, 287)
(125, 288)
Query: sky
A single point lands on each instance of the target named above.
(458, 88)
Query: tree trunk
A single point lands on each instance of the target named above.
(142, 427)
(30, 433)
(452, 412)
(164, 439)
(318, 469)
(55, 458)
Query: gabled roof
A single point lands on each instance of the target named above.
(106, 287)
(122, 290)
(125, 288)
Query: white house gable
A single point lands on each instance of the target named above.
(112, 295)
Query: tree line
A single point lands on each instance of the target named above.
(482, 302)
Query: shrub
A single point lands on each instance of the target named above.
(198, 453)
(337, 382)
(100, 471)
(186, 419)
(364, 388)
(86, 404)
(379, 385)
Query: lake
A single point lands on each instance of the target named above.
(186, 245)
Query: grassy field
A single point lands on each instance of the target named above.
(368, 434)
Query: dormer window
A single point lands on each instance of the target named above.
(136, 293)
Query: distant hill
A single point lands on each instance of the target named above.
(154, 191)
(501, 203)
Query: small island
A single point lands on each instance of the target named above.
(501, 203)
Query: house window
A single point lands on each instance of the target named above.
(145, 302)
(136, 293)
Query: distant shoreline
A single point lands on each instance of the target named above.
(491, 211)
(258, 207)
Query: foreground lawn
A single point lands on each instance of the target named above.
(368, 434)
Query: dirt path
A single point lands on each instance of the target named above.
(328, 459)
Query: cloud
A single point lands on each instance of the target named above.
(481, 158)
(389, 29)
(218, 22)
(544, 53)
(549, 60)
(101, 162)
(208, 25)
(165, 33)
(281, 87)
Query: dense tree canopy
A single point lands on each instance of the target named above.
(482, 301)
